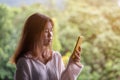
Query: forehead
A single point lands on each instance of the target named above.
(48, 25)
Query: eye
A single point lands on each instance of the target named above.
(46, 30)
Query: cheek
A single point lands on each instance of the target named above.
(45, 35)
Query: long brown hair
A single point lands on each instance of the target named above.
(30, 37)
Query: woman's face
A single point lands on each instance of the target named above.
(47, 34)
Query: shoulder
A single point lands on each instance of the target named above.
(57, 54)
(57, 57)
(22, 62)
(22, 59)
(59, 61)
(25, 59)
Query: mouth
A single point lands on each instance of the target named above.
(49, 40)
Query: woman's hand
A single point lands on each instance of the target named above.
(75, 57)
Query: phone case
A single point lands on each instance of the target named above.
(78, 44)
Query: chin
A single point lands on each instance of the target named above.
(48, 44)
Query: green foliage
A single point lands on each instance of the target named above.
(56, 42)
(97, 21)
(6, 40)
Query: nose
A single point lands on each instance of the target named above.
(50, 34)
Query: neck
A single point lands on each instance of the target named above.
(45, 55)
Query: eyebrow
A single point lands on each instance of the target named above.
(49, 28)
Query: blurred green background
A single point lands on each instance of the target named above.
(97, 20)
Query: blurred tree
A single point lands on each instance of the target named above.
(97, 21)
(6, 42)
(93, 20)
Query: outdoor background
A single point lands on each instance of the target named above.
(98, 21)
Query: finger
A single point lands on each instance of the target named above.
(77, 52)
(77, 56)
(79, 48)
(76, 60)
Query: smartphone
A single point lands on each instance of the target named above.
(78, 45)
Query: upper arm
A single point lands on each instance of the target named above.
(22, 72)
(60, 63)
(71, 72)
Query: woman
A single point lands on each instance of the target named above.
(34, 57)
